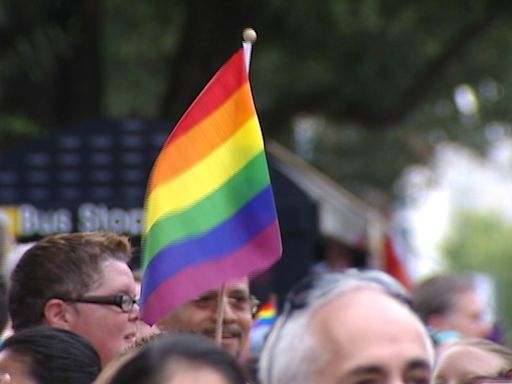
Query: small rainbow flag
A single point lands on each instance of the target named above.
(210, 213)
(266, 315)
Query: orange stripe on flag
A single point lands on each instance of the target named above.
(204, 138)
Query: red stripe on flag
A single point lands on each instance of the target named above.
(220, 88)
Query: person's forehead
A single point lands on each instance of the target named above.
(186, 374)
(468, 295)
(6, 355)
(232, 286)
(114, 267)
(467, 362)
(364, 315)
(359, 300)
(17, 366)
(115, 274)
(468, 355)
(240, 284)
(468, 300)
(368, 306)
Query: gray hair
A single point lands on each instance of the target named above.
(292, 353)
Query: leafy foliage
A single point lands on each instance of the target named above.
(482, 242)
(380, 74)
(16, 128)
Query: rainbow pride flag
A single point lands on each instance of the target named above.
(209, 213)
(261, 326)
(266, 315)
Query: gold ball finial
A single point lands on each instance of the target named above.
(249, 35)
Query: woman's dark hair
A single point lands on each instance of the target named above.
(149, 364)
(55, 355)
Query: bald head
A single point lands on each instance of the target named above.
(353, 325)
(366, 333)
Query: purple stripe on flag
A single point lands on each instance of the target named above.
(222, 240)
(198, 279)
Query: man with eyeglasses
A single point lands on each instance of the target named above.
(350, 327)
(80, 282)
(200, 316)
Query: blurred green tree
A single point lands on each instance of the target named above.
(378, 75)
(482, 242)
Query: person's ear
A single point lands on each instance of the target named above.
(57, 313)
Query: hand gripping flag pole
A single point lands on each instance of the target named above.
(209, 212)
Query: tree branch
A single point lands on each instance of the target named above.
(279, 114)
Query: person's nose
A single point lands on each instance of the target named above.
(228, 311)
(396, 379)
(134, 314)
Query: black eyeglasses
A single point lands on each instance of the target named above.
(122, 300)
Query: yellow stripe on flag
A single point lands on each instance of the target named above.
(208, 175)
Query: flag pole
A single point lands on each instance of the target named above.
(220, 314)
(249, 38)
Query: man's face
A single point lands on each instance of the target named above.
(467, 317)
(107, 327)
(370, 337)
(200, 316)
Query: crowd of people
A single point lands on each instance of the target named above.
(72, 303)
